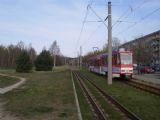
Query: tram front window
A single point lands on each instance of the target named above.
(126, 58)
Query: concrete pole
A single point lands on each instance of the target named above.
(109, 44)
(80, 56)
(54, 60)
(78, 60)
(64, 60)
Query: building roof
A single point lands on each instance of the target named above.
(141, 37)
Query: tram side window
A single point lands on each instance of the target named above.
(105, 60)
(118, 59)
(96, 62)
(114, 59)
(102, 61)
(91, 62)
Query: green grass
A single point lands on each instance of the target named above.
(6, 81)
(45, 95)
(60, 68)
(86, 112)
(145, 105)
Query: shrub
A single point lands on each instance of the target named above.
(23, 63)
(44, 61)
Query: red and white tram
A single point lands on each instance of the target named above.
(121, 63)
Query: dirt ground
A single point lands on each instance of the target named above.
(6, 115)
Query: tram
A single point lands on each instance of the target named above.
(122, 65)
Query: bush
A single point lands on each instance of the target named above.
(23, 63)
(44, 61)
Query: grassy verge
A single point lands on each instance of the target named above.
(45, 95)
(145, 105)
(86, 112)
(6, 81)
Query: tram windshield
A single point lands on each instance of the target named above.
(126, 58)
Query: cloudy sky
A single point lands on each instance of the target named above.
(40, 22)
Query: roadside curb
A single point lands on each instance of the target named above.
(76, 99)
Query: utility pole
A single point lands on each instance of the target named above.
(80, 56)
(109, 44)
(78, 60)
(54, 60)
(64, 60)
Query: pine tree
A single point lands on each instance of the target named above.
(44, 61)
(23, 63)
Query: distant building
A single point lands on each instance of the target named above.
(148, 45)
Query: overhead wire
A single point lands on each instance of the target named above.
(89, 6)
(123, 14)
(142, 18)
(101, 20)
(127, 12)
(83, 23)
(85, 20)
(82, 28)
(92, 33)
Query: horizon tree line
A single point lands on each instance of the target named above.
(10, 54)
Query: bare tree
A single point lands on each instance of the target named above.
(116, 43)
(21, 45)
(10, 53)
(142, 53)
(54, 50)
(32, 53)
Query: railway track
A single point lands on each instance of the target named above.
(128, 114)
(97, 109)
(144, 87)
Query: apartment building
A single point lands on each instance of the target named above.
(148, 46)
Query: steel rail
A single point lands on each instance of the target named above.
(100, 114)
(123, 109)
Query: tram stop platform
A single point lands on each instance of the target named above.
(153, 78)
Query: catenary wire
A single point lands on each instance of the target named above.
(142, 19)
(127, 13)
(82, 28)
(92, 33)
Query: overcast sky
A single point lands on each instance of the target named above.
(40, 22)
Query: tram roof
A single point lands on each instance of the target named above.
(106, 54)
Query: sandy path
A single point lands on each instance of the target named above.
(11, 87)
(4, 115)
